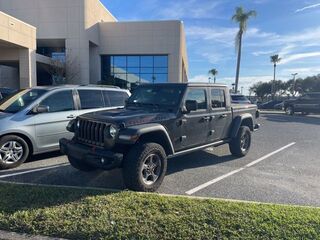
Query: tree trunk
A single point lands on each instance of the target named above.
(214, 79)
(274, 81)
(238, 63)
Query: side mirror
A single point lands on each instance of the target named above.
(41, 109)
(191, 105)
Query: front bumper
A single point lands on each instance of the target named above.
(96, 157)
(256, 127)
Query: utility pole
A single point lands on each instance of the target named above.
(241, 90)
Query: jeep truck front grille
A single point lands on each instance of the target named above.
(90, 132)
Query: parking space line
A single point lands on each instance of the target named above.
(33, 170)
(202, 186)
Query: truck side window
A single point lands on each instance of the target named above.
(218, 98)
(199, 95)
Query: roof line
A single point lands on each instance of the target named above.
(18, 20)
(108, 11)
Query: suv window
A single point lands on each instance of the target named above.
(59, 102)
(199, 95)
(115, 98)
(218, 98)
(90, 99)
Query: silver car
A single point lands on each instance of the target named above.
(33, 120)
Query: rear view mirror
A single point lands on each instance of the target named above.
(41, 109)
(191, 105)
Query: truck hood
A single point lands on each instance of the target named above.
(129, 117)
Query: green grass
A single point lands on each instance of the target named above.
(84, 214)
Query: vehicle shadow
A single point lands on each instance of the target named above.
(196, 160)
(44, 156)
(313, 120)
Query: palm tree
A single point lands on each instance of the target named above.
(274, 59)
(214, 73)
(241, 17)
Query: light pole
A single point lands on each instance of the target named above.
(209, 79)
(294, 83)
(241, 90)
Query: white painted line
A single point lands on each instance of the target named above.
(270, 154)
(33, 170)
(202, 186)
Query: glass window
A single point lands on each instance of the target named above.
(20, 100)
(119, 61)
(217, 98)
(133, 61)
(90, 99)
(115, 98)
(161, 78)
(198, 95)
(161, 61)
(129, 71)
(147, 61)
(59, 102)
(161, 70)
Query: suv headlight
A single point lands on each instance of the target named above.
(113, 131)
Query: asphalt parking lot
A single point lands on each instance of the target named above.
(283, 166)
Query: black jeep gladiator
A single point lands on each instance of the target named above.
(159, 121)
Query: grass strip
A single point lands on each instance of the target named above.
(94, 214)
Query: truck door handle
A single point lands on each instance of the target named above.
(207, 118)
(71, 116)
(223, 115)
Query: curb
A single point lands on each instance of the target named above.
(18, 236)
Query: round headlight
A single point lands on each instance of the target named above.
(112, 131)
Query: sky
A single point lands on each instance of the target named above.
(290, 28)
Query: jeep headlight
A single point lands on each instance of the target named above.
(112, 131)
(71, 126)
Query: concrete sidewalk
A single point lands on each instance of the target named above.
(18, 236)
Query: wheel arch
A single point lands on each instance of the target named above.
(239, 121)
(24, 137)
(155, 133)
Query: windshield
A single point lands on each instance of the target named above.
(20, 100)
(239, 98)
(157, 95)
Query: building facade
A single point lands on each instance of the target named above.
(81, 42)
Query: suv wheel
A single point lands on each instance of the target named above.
(289, 110)
(80, 165)
(240, 145)
(145, 167)
(13, 151)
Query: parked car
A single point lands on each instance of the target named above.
(5, 92)
(307, 103)
(159, 121)
(279, 106)
(239, 99)
(33, 120)
(269, 104)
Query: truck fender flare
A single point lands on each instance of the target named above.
(237, 122)
(132, 134)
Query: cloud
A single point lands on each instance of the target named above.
(293, 57)
(303, 72)
(308, 7)
(188, 9)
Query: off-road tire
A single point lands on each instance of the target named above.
(235, 145)
(82, 166)
(22, 144)
(134, 162)
(289, 110)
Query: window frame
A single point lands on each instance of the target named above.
(205, 89)
(79, 99)
(224, 97)
(75, 104)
